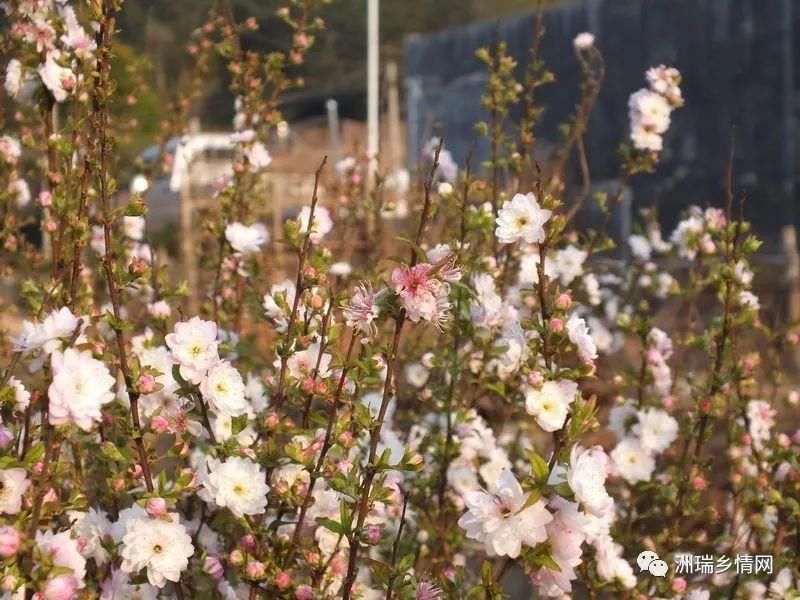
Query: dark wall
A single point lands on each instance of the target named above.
(738, 59)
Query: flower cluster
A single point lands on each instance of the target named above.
(650, 108)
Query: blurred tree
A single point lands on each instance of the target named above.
(336, 64)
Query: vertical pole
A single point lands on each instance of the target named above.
(789, 231)
(373, 139)
(187, 238)
(332, 107)
(393, 115)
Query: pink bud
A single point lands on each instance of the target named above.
(118, 484)
(679, 585)
(317, 302)
(248, 542)
(213, 567)
(255, 569)
(534, 378)
(6, 437)
(50, 226)
(9, 583)
(320, 388)
(45, 199)
(62, 587)
(271, 420)
(346, 438)
(308, 385)
(563, 302)
(304, 592)
(156, 507)
(310, 272)
(9, 541)
(556, 325)
(699, 483)
(373, 533)
(159, 423)
(236, 558)
(146, 384)
(282, 580)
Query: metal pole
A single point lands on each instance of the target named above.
(393, 116)
(333, 128)
(372, 83)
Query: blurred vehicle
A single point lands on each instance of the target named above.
(193, 164)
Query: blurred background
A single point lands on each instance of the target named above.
(738, 58)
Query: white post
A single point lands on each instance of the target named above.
(373, 89)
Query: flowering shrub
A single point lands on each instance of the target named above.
(496, 399)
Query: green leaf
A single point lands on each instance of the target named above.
(35, 454)
(111, 452)
(332, 525)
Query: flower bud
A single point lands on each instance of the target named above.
(159, 424)
(304, 592)
(9, 541)
(282, 580)
(213, 567)
(271, 420)
(62, 587)
(236, 558)
(564, 301)
(156, 507)
(6, 437)
(248, 542)
(146, 384)
(255, 569)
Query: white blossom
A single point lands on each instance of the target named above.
(521, 218)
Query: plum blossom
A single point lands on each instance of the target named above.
(632, 461)
(422, 295)
(13, 80)
(81, 386)
(586, 477)
(761, 419)
(321, 225)
(258, 156)
(285, 291)
(238, 484)
(13, 484)
(497, 518)
(193, 344)
(583, 41)
(223, 389)
(91, 529)
(246, 239)
(522, 219)
(64, 553)
(656, 430)
(59, 80)
(580, 336)
(550, 403)
(362, 310)
(162, 546)
(304, 363)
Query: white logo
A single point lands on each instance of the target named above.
(649, 561)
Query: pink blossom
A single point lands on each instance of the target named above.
(9, 541)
